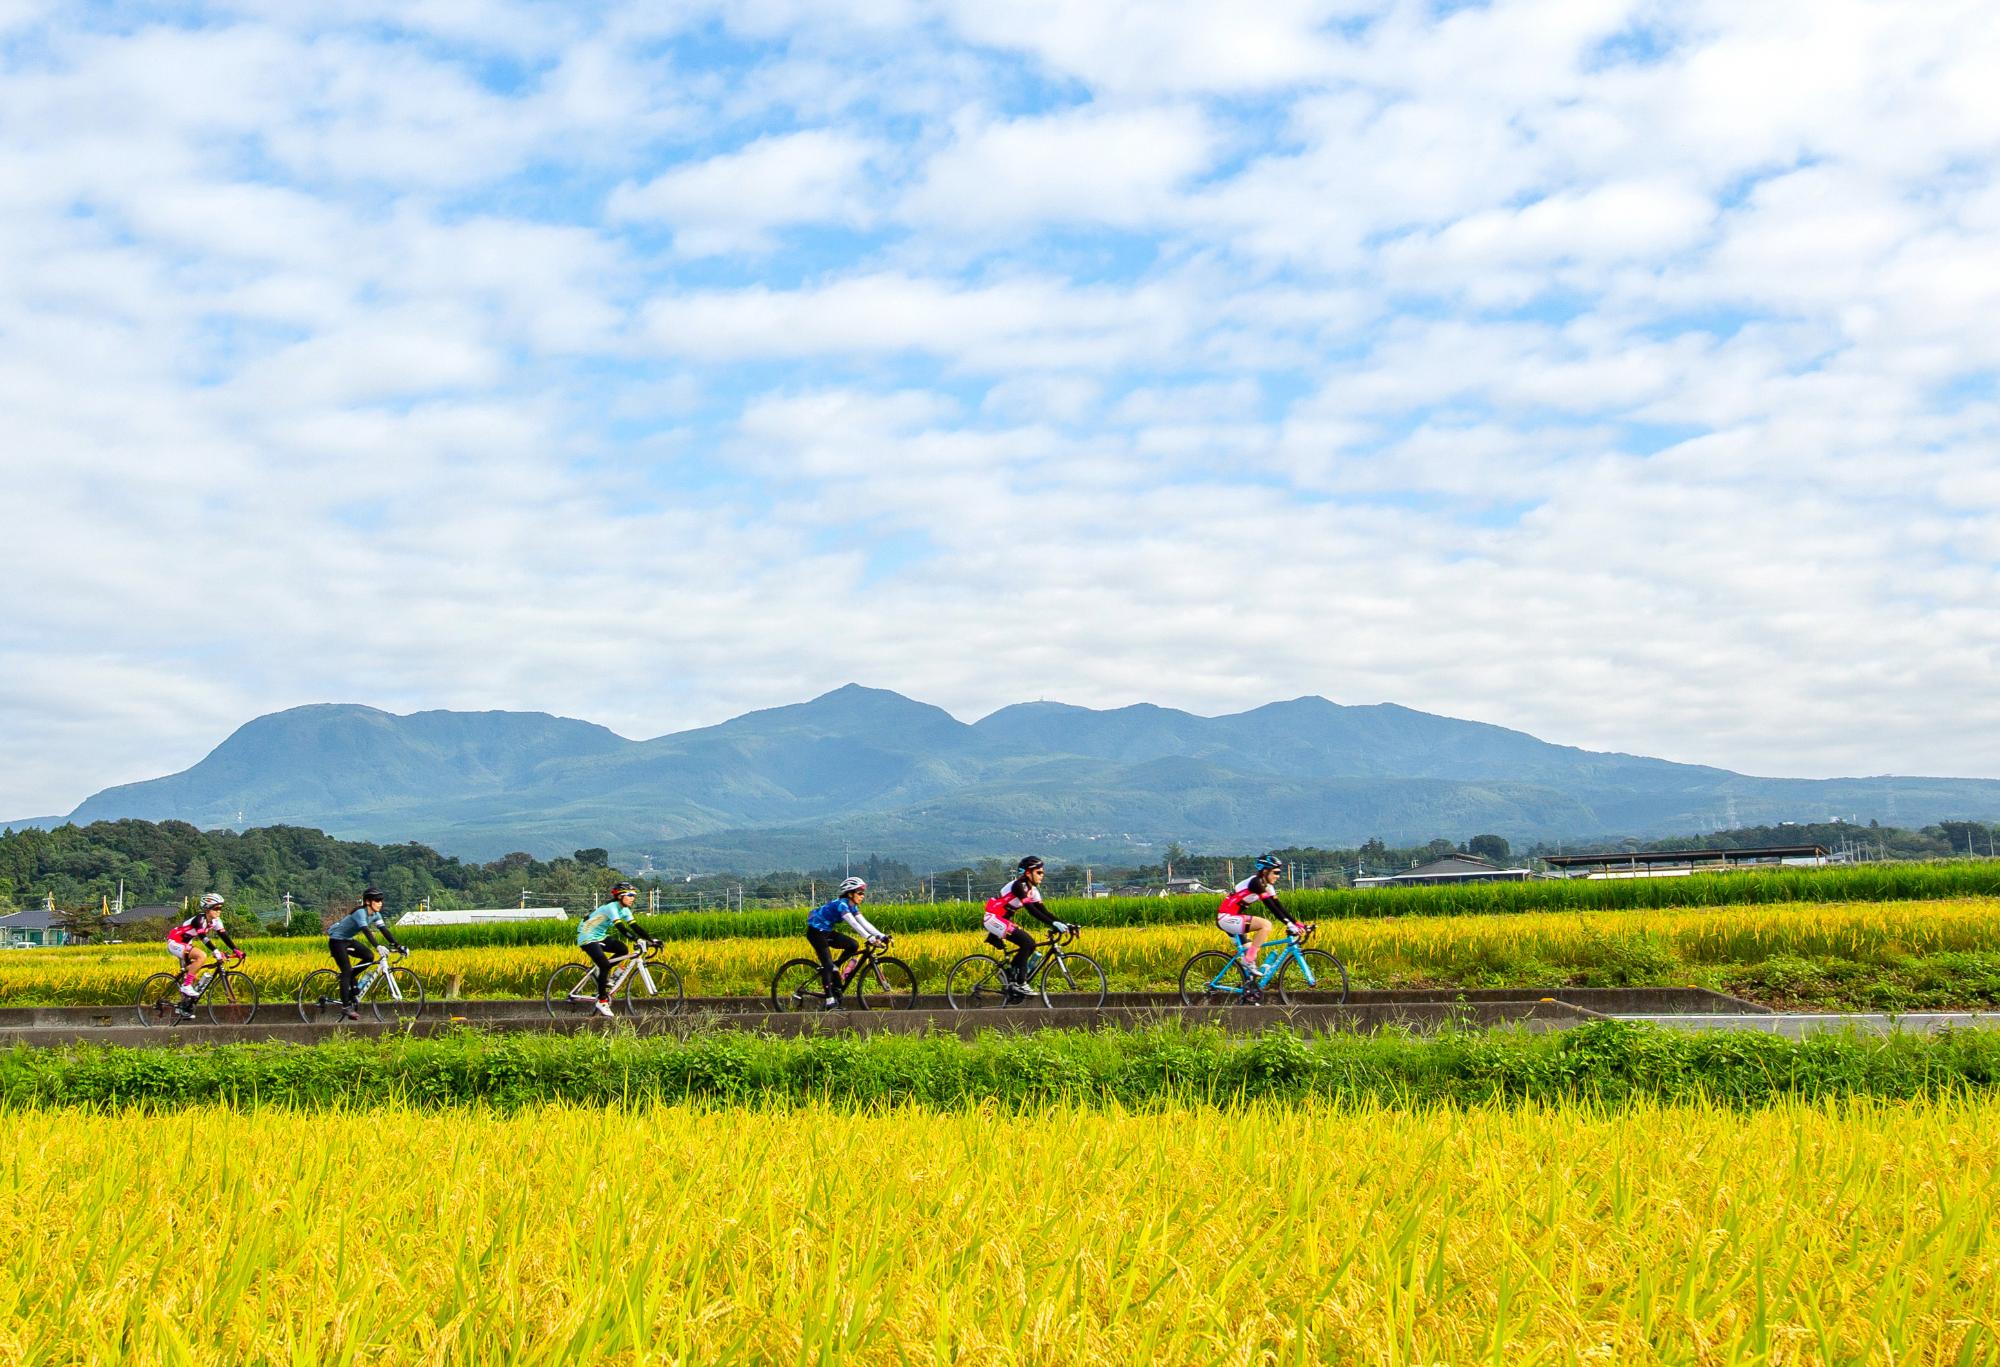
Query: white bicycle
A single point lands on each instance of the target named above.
(389, 990)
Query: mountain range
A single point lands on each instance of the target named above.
(871, 770)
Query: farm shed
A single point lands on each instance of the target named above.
(1456, 868)
(1681, 863)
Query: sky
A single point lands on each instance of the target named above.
(1619, 371)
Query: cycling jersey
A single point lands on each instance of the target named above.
(598, 925)
(1017, 896)
(1246, 900)
(839, 911)
(201, 923)
(350, 926)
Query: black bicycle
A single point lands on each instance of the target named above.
(878, 982)
(229, 996)
(1056, 977)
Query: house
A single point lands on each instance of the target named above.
(39, 927)
(1455, 868)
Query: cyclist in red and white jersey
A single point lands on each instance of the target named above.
(188, 942)
(1022, 893)
(1238, 914)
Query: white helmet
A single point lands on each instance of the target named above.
(210, 901)
(853, 885)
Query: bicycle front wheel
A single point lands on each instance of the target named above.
(652, 989)
(402, 1003)
(158, 996)
(571, 991)
(1322, 973)
(797, 986)
(1073, 980)
(319, 997)
(885, 985)
(231, 998)
(975, 983)
(1212, 978)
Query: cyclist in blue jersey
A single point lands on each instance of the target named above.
(593, 937)
(823, 932)
(344, 941)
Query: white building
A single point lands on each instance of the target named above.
(481, 916)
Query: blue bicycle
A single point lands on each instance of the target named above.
(1288, 968)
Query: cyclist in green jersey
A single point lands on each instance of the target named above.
(593, 937)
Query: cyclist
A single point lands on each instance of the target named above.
(1235, 918)
(188, 942)
(823, 932)
(344, 941)
(1023, 892)
(593, 937)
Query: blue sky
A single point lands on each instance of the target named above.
(1623, 372)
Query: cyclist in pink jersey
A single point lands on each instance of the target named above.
(1237, 915)
(187, 941)
(1022, 893)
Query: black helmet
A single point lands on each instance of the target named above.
(372, 895)
(1031, 863)
(620, 889)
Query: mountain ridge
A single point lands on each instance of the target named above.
(871, 768)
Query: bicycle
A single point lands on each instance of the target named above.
(1212, 978)
(234, 1001)
(980, 980)
(648, 984)
(400, 998)
(880, 983)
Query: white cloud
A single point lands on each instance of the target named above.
(1123, 168)
(732, 203)
(1642, 398)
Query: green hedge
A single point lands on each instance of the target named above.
(1604, 1061)
(1861, 883)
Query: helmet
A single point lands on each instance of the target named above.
(1031, 863)
(853, 885)
(1267, 862)
(210, 901)
(620, 889)
(372, 895)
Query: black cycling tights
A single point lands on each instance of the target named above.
(1024, 950)
(601, 954)
(824, 941)
(351, 956)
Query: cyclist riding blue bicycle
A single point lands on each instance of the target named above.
(344, 941)
(188, 942)
(1235, 919)
(593, 937)
(824, 934)
(1022, 893)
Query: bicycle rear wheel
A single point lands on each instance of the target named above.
(158, 996)
(975, 983)
(231, 998)
(571, 991)
(797, 986)
(319, 997)
(388, 1006)
(1073, 980)
(885, 985)
(652, 989)
(1323, 973)
(1212, 978)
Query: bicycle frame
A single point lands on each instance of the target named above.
(1267, 967)
(623, 967)
(378, 969)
